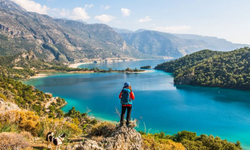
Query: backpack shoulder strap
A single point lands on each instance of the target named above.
(126, 90)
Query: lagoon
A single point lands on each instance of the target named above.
(159, 105)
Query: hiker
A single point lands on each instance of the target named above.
(126, 97)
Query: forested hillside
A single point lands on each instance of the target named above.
(209, 68)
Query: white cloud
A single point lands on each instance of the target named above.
(104, 18)
(32, 6)
(105, 7)
(64, 13)
(173, 29)
(145, 19)
(125, 12)
(78, 13)
(88, 6)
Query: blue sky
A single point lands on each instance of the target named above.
(228, 19)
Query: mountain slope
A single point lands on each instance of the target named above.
(57, 39)
(209, 68)
(213, 43)
(175, 45)
(153, 43)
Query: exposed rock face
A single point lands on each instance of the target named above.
(58, 39)
(90, 145)
(5, 106)
(124, 138)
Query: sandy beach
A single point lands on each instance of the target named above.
(39, 75)
(145, 71)
(77, 64)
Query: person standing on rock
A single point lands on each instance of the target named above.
(126, 97)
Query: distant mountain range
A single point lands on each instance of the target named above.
(175, 45)
(66, 40)
(58, 39)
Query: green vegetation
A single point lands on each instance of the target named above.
(145, 67)
(75, 123)
(191, 141)
(26, 96)
(209, 68)
(25, 65)
(67, 69)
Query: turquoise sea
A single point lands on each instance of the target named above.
(158, 105)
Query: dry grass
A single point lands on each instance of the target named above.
(26, 135)
(13, 141)
(103, 129)
(97, 138)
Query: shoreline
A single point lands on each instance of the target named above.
(76, 65)
(47, 73)
(112, 60)
(39, 75)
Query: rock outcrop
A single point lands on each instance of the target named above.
(124, 138)
(6, 106)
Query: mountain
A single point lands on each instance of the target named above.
(122, 30)
(175, 45)
(153, 43)
(213, 43)
(58, 39)
(211, 68)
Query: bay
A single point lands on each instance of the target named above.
(158, 105)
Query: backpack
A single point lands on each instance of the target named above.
(125, 96)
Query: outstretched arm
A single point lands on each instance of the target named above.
(132, 96)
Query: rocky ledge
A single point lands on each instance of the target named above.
(124, 138)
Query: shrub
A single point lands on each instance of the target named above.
(2, 96)
(9, 128)
(26, 135)
(151, 142)
(58, 126)
(192, 142)
(13, 141)
(24, 120)
(103, 129)
(94, 121)
(29, 122)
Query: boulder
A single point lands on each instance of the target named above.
(124, 138)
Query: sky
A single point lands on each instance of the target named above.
(228, 19)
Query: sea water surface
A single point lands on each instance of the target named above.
(158, 105)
